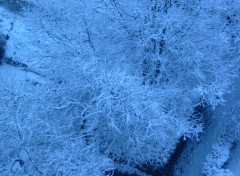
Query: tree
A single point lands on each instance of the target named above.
(122, 81)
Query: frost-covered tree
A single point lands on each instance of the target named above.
(37, 141)
(122, 79)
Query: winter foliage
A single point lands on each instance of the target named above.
(114, 82)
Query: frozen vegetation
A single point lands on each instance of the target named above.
(116, 87)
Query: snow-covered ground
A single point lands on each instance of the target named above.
(19, 48)
(234, 162)
(194, 156)
(18, 75)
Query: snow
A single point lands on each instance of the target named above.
(6, 21)
(194, 156)
(21, 47)
(17, 75)
(191, 161)
(234, 162)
